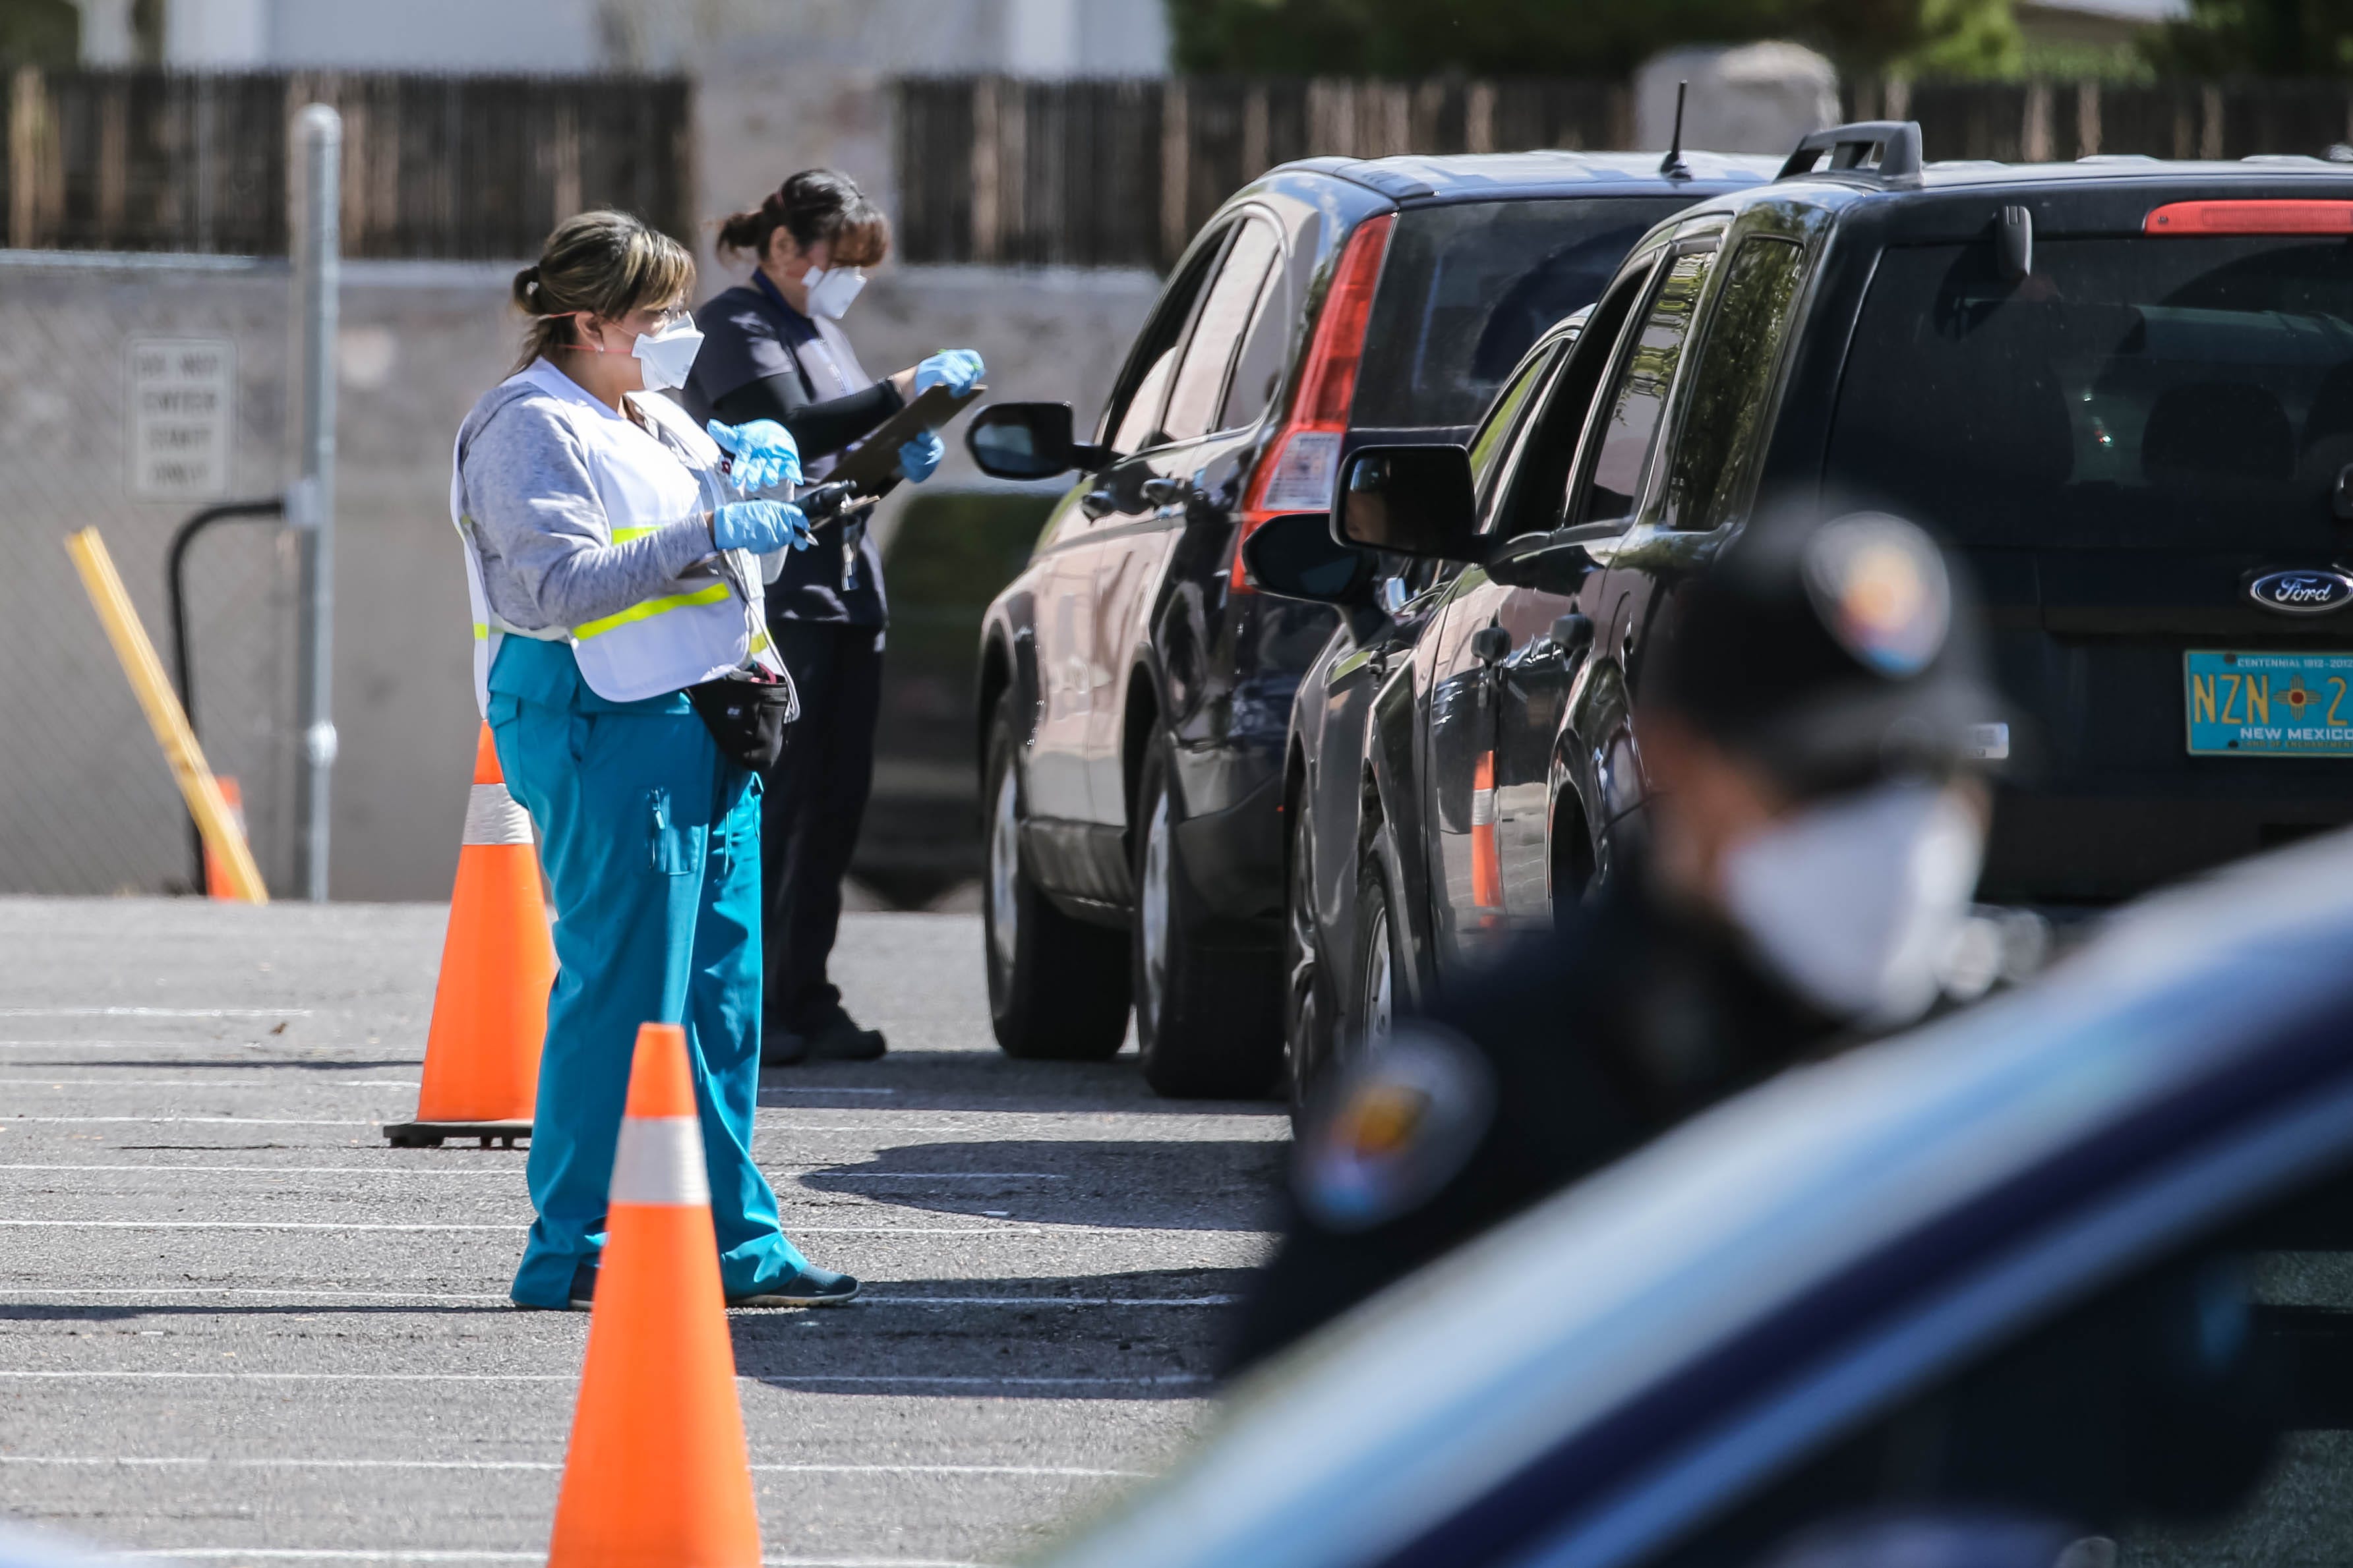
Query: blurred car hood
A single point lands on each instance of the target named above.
(1375, 1433)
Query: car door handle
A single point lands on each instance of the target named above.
(1490, 645)
(1098, 503)
(1162, 491)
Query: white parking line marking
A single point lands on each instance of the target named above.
(154, 1012)
(360, 1225)
(101, 1461)
(296, 1052)
(299, 1295)
(759, 1124)
(323, 1554)
(516, 1170)
(204, 1083)
(1141, 1380)
(207, 1121)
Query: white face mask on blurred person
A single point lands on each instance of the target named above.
(832, 288)
(1856, 902)
(667, 354)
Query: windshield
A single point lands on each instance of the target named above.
(1467, 289)
(2147, 391)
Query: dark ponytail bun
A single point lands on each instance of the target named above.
(816, 206)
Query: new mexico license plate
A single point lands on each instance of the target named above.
(2269, 704)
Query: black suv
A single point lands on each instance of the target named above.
(2122, 388)
(1135, 686)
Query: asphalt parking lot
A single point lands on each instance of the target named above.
(236, 1327)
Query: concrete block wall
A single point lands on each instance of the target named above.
(86, 804)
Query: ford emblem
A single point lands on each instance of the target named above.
(2302, 593)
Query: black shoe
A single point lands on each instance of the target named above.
(811, 1287)
(782, 1048)
(836, 1037)
(582, 1296)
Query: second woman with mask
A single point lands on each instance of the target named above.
(773, 349)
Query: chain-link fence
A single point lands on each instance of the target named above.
(136, 393)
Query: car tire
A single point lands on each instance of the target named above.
(1308, 1008)
(1374, 985)
(1056, 986)
(1208, 1021)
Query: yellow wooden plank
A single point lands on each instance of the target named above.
(155, 695)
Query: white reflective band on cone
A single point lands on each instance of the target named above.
(493, 818)
(660, 1161)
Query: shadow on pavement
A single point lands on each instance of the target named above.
(1160, 1185)
(1147, 1335)
(990, 1080)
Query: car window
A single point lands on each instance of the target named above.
(1638, 395)
(1731, 381)
(1133, 419)
(2144, 393)
(1468, 286)
(1493, 437)
(1538, 481)
(2187, 1417)
(1200, 384)
(1266, 350)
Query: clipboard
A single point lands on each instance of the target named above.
(874, 465)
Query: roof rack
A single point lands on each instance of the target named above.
(1887, 148)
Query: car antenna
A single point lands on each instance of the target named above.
(1672, 165)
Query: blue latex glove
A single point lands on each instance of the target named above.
(760, 526)
(765, 454)
(958, 370)
(919, 456)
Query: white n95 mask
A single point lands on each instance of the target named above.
(832, 288)
(667, 354)
(1857, 901)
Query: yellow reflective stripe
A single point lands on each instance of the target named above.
(760, 642)
(715, 593)
(481, 632)
(623, 535)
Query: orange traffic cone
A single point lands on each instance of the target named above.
(489, 1010)
(658, 1475)
(218, 883)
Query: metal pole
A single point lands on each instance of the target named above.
(311, 502)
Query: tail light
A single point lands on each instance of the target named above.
(1300, 466)
(2251, 217)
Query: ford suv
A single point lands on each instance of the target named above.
(2121, 389)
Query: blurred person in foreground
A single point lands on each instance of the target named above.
(1816, 829)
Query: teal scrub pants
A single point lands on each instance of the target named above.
(651, 842)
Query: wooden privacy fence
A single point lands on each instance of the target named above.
(437, 166)
(2035, 121)
(1121, 173)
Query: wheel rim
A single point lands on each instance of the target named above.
(1152, 905)
(1004, 871)
(1380, 996)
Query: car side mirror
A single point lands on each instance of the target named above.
(1547, 563)
(1029, 441)
(1415, 501)
(1295, 557)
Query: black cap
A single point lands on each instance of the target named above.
(1835, 651)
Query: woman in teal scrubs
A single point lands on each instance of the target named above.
(612, 566)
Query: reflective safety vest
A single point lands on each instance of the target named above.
(712, 621)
